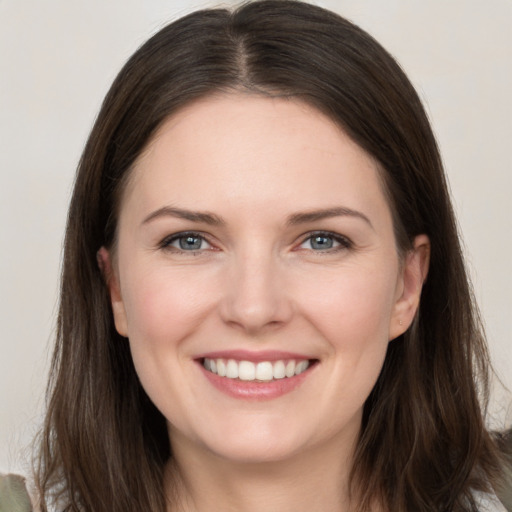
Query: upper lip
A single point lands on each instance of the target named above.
(254, 356)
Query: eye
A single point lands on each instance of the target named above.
(186, 242)
(322, 241)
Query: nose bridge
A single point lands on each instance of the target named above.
(255, 297)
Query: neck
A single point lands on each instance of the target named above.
(317, 479)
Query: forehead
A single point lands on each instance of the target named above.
(254, 152)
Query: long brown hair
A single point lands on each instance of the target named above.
(423, 443)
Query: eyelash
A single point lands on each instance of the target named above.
(165, 244)
(344, 242)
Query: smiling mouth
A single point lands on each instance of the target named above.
(263, 371)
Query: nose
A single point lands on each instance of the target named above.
(255, 297)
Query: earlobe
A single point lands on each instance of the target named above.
(413, 275)
(106, 267)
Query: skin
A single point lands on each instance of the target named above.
(257, 283)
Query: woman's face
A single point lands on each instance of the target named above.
(255, 239)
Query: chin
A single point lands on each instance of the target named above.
(246, 442)
(247, 451)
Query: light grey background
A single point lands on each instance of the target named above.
(57, 60)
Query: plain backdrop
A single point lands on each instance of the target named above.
(57, 60)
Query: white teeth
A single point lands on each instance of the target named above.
(290, 369)
(221, 368)
(232, 369)
(279, 370)
(246, 370)
(301, 367)
(263, 371)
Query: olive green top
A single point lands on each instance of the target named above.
(13, 494)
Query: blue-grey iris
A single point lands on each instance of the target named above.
(191, 243)
(321, 242)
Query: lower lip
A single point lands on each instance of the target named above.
(254, 390)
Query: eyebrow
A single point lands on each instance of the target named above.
(293, 220)
(169, 211)
(316, 215)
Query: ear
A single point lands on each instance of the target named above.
(413, 274)
(106, 266)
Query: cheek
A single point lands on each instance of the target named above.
(165, 306)
(352, 314)
(164, 309)
(353, 306)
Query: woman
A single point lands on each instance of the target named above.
(264, 301)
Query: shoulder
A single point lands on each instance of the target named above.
(13, 494)
(489, 503)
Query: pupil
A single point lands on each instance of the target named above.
(190, 243)
(321, 242)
